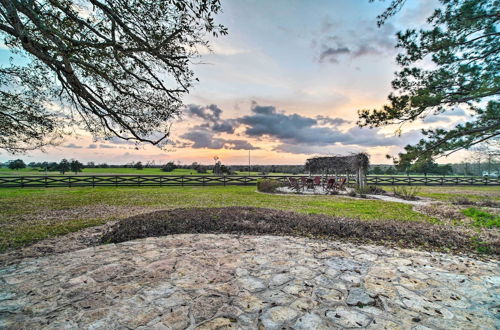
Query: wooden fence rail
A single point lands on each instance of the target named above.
(211, 180)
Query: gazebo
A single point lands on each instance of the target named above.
(356, 164)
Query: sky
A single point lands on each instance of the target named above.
(284, 84)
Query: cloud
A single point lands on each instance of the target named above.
(332, 121)
(106, 146)
(73, 146)
(315, 150)
(203, 138)
(366, 40)
(210, 112)
(295, 133)
(117, 140)
(446, 116)
(436, 119)
(329, 54)
(295, 129)
(211, 115)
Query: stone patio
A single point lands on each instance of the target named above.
(227, 281)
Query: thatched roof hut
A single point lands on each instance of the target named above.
(355, 164)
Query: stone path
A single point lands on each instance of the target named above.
(247, 282)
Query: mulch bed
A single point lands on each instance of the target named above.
(260, 221)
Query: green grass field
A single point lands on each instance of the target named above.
(447, 193)
(27, 215)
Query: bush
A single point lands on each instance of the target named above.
(370, 190)
(406, 192)
(487, 201)
(268, 185)
(461, 200)
(259, 221)
(482, 218)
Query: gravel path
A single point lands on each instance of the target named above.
(227, 281)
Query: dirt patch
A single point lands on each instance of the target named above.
(449, 213)
(98, 211)
(71, 242)
(259, 221)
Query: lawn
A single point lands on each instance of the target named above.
(27, 215)
(448, 193)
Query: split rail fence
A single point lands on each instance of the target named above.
(209, 180)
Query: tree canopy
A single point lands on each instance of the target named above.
(463, 45)
(116, 68)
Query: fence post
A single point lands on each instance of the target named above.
(116, 181)
(203, 181)
(45, 181)
(93, 181)
(224, 180)
(22, 182)
(69, 181)
(182, 181)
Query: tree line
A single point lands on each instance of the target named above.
(469, 168)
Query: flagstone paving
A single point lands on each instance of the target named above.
(267, 282)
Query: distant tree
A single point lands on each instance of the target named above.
(390, 171)
(43, 166)
(53, 166)
(16, 164)
(64, 166)
(225, 170)
(123, 67)
(169, 167)
(490, 151)
(103, 165)
(90, 165)
(138, 166)
(463, 44)
(424, 166)
(76, 166)
(444, 169)
(377, 170)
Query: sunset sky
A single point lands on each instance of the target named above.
(285, 83)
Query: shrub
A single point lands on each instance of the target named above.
(406, 192)
(487, 201)
(370, 190)
(268, 185)
(461, 200)
(442, 211)
(259, 221)
(482, 218)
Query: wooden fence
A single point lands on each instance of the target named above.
(199, 180)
